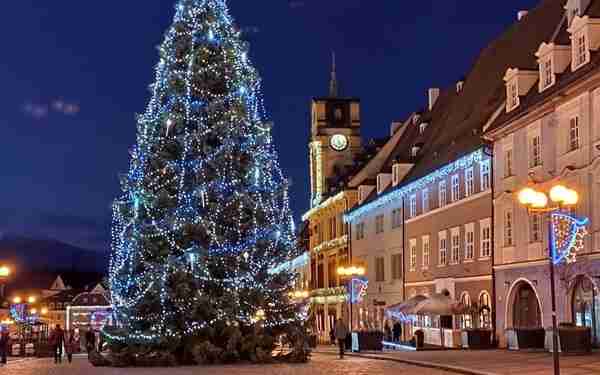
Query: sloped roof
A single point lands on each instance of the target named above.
(564, 79)
(459, 131)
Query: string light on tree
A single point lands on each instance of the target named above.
(204, 215)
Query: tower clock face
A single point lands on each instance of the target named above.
(339, 142)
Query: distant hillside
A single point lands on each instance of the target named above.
(50, 255)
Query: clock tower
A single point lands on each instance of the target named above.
(334, 140)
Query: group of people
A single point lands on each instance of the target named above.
(340, 332)
(69, 340)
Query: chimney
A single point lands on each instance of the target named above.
(434, 94)
(522, 14)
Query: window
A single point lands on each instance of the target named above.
(465, 320)
(442, 193)
(574, 133)
(425, 200)
(469, 182)
(380, 269)
(422, 128)
(508, 228)
(443, 248)
(426, 252)
(535, 228)
(513, 95)
(413, 206)
(455, 193)
(469, 241)
(535, 154)
(508, 163)
(360, 231)
(397, 266)
(486, 238)
(547, 74)
(413, 255)
(455, 254)
(485, 175)
(379, 224)
(581, 50)
(485, 304)
(396, 218)
(338, 113)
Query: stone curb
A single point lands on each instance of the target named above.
(437, 366)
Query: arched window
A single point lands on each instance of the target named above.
(485, 310)
(466, 321)
(338, 114)
(586, 307)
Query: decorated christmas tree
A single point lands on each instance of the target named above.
(204, 218)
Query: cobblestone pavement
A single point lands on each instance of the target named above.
(320, 365)
(500, 362)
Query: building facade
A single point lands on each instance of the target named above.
(549, 134)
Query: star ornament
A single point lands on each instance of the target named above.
(567, 236)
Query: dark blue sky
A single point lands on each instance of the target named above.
(74, 73)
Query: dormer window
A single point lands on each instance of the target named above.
(547, 77)
(383, 180)
(512, 95)
(395, 174)
(422, 127)
(518, 83)
(414, 151)
(580, 50)
(416, 119)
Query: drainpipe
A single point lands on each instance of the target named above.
(489, 151)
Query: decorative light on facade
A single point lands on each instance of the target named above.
(401, 191)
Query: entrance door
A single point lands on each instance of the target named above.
(526, 313)
(586, 307)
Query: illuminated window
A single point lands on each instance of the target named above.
(442, 193)
(413, 206)
(508, 163)
(574, 133)
(455, 192)
(535, 152)
(508, 228)
(413, 255)
(512, 95)
(469, 182)
(469, 241)
(425, 200)
(485, 175)
(379, 224)
(580, 50)
(396, 218)
(443, 248)
(455, 251)
(535, 228)
(486, 238)
(426, 252)
(547, 74)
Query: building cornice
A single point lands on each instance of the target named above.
(328, 203)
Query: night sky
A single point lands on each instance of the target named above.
(74, 73)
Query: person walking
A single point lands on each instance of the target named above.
(70, 343)
(341, 332)
(397, 331)
(57, 339)
(90, 340)
(4, 345)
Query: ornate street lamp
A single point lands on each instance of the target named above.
(565, 237)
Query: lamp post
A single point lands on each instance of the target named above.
(536, 202)
(348, 273)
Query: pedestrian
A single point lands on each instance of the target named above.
(90, 340)
(388, 331)
(397, 331)
(341, 332)
(70, 343)
(57, 339)
(332, 336)
(4, 344)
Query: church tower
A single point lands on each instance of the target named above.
(335, 138)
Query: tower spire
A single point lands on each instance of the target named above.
(333, 84)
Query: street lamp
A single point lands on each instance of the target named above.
(536, 202)
(349, 273)
(4, 275)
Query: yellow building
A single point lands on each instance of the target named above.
(335, 142)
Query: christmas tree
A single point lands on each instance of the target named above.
(204, 218)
